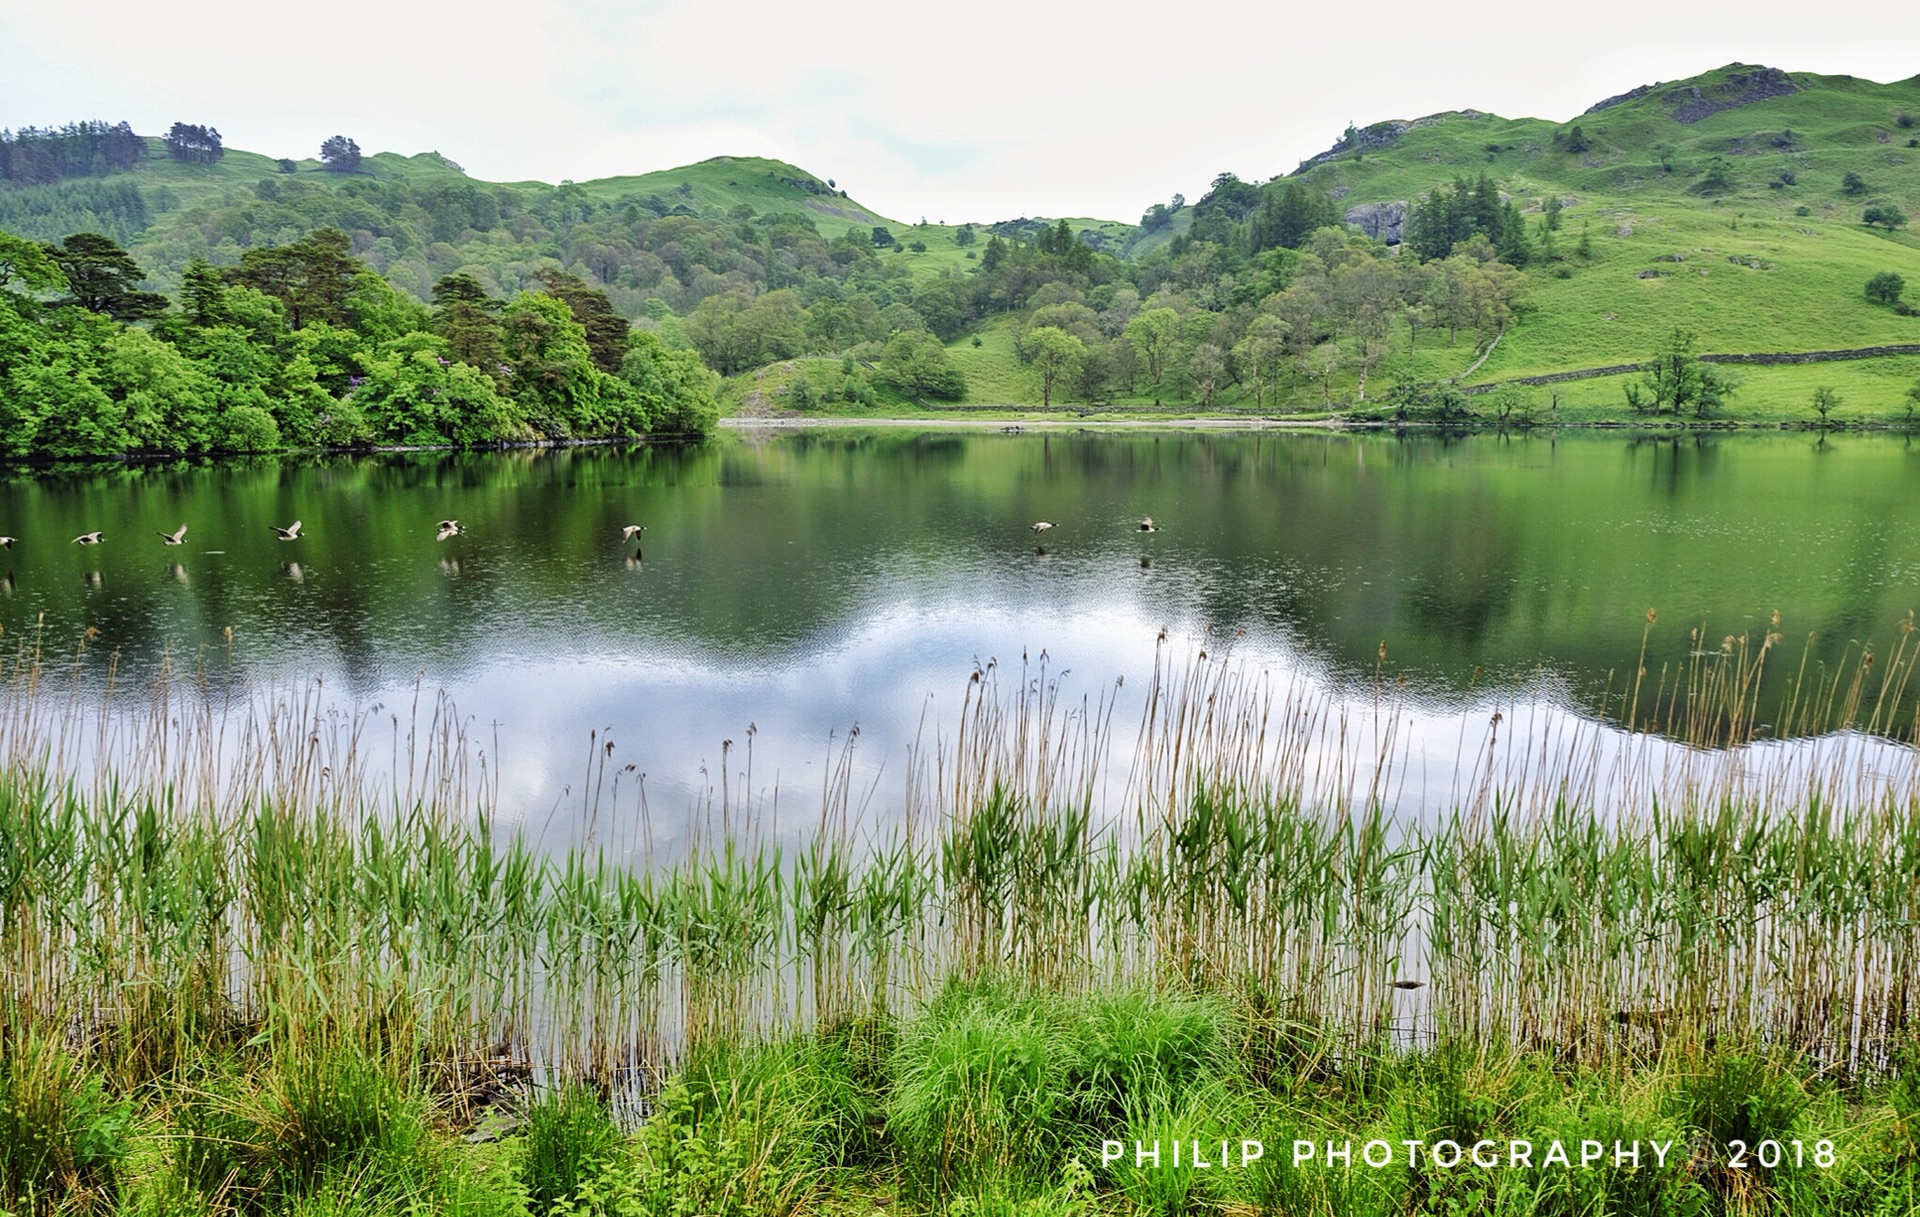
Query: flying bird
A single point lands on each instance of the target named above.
(1147, 524)
(290, 533)
(449, 528)
(177, 537)
(1042, 526)
(88, 538)
(7, 542)
(630, 531)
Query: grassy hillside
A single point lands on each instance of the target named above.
(1730, 204)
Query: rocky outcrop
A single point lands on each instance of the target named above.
(1738, 89)
(1381, 221)
(1362, 139)
(1619, 98)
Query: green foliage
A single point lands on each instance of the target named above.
(28, 265)
(340, 154)
(1716, 178)
(103, 278)
(993, 1083)
(1677, 381)
(116, 208)
(301, 345)
(38, 156)
(918, 366)
(570, 1135)
(1450, 217)
(1852, 184)
(319, 1114)
(62, 1140)
(1886, 287)
(1824, 402)
(1055, 355)
(1886, 216)
(678, 394)
(194, 143)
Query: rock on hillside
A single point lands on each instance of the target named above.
(1739, 89)
(1381, 221)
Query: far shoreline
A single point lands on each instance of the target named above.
(1201, 422)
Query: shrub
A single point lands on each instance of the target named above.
(993, 1083)
(570, 1134)
(1853, 184)
(60, 1135)
(1886, 288)
(317, 1113)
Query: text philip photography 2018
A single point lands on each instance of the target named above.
(1515, 1154)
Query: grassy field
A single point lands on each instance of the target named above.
(242, 977)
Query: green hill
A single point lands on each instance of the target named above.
(1731, 205)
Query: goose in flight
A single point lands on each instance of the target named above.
(7, 542)
(177, 537)
(1042, 526)
(88, 538)
(290, 533)
(449, 528)
(630, 531)
(1147, 524)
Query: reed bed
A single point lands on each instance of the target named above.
(203, 861)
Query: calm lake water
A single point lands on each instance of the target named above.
(803, 583)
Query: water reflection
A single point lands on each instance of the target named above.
(811, 582)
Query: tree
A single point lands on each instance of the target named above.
(1824, 401)
(1853, 184)
(29, 263)
(1155, 335)
(340, 154)
(679, 393)
(1913, 400)
(1320, 364)
(194, 143)
(1551, 209)
(1677, 380)
(881, 236)
(606, 329)
(1886, 216)
(918, 365)
(1576, 140)
(1259, 354)
(286, 165)
(312, 276)
(1055, 354)
(469, 319)
(1208, 367)
(1886, 288)
(203, 295)
(1717, 179)
(103, 278)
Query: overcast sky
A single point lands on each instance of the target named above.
(976, 111)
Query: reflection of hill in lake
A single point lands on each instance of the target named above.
(762, 552)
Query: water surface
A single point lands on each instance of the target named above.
(804, 583)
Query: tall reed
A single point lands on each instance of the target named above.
(203, 861)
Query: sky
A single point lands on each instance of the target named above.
(982, 111)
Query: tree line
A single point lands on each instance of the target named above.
(302, 345)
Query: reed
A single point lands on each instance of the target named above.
(202, 862)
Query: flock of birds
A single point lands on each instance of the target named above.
(446, 530)
(1146, 525)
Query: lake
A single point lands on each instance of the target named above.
(793, 585)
